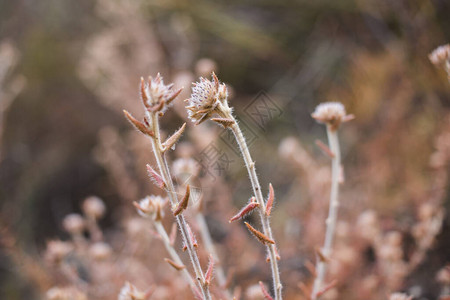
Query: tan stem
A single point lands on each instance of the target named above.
(332, 211)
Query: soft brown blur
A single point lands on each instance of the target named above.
(68, 68)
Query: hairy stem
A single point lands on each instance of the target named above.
(332, 212)
(173, 254)
(181, 221)
(250, 165)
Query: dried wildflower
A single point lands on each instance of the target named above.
(331, 113)
(100, 251)
(151, 206)
(157, 96)
(130, 292)
(440, 55)
(57, 250)
(185, 168)
(65, 293)
(73, 223)
(207, 98)
(94, 207)
(399, 296)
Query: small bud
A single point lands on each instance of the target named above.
(73, 223)
(94, 207)
(151, 206)
(57, 250)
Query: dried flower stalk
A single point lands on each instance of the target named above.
(332, 114)
(209, 98)
(156, 97)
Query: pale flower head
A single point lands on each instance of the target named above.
(440, 55)
(157, 96)
(207, 98)
(151, 206)
(130, 292)
(94, 207)
(330, 113)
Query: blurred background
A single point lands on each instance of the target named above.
(68, 68)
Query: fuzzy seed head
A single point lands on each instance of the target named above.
(440, 55)
(130, 292)
(206, 98)
(330, 113)
(185, 168)
(151, 206)
(156, 94)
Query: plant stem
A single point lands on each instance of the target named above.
(181, 221)
(173, 254)
(250, 165)
(332, 212)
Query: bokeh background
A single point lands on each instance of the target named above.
(68, 68)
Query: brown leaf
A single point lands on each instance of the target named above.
(270, 199)
(174, 138)
(174, 264)
(183, 204)
(138, 125)
(259, 235)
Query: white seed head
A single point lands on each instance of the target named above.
(151, 206)
(440, 55)
(94, 207)
(330, 113)
(206, 99)
(130, 292)
(73, 223)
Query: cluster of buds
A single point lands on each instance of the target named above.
(157, 96)
(332, 114)
(151, 206)
(209, 98)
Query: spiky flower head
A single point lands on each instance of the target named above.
(331, 113)
(151, 206)
(157, 96)
(440, 55)
(130, 292)
(208, 97)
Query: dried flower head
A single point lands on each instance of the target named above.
(130, 292)
(208, 97)
(157, 96)
(151, 206)
(100, 251)
(331, 113)
(94, 207)
(440, 55)
(399, 296)
(65, 293)
(185, 168)
(57, 250)
(73, 223)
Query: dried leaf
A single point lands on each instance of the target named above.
(183, 204)
(174, 138)
(270, 199)
(155, 177)
(265, 292)
(138, 125)
(223, 121)
(176, 266)
(209, 271)
(259, 235)
(245, 210)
